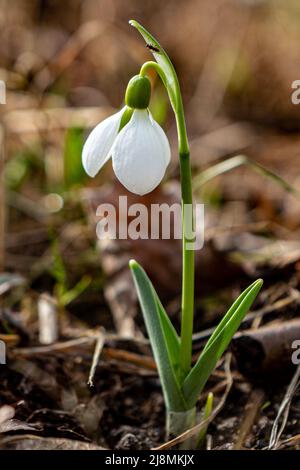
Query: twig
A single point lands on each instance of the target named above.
(253, 405)
(48, 319)
(31, 208)
(283, 412)
(195, 430)
(216, 389)
(46, 120)
(98, 349)
(11, 339)
(291, 442)
(86, 33)
(37, 350)
(146, 362)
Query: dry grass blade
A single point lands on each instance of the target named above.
(50, 119)
(283, 411)
(98, 350)
(48, 319)
(291, 442)
(62, 346)
(86, 33)
(145, 362)
(253, 405)
(196, 429)
(236, 162)
(10, 340)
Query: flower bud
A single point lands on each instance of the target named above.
(138, 92)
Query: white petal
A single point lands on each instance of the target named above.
(140, 155)
(96, 150)
(164, 138)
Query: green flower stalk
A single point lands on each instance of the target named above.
(188, 263)
(140, 153)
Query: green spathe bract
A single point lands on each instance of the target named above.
(182, 383)
(138, 92)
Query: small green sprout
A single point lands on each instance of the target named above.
(207, 412)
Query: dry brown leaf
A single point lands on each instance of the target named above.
(29, 442)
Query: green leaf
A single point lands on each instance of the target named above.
(172, 339)
(220, 339)
(231, 312)
(162, 337)
(170, 78)
(67, 297)
(74, 173)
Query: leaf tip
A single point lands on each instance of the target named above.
(133, 23)
(133, 264)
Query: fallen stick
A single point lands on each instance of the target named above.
(45, 120)
(147, 362)
(252, 408)
(266, 350)
(48, 319)
(96, 356)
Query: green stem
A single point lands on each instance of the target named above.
(187, 303)
(188, 255)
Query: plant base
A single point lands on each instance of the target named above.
(179, 422)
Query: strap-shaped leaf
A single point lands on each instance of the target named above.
(162, 337)
(170, 78)
(220, 339)
(228, 315)
(172, 339)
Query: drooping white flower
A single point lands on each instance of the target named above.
(97, 148)
(141, 154)
(140, 151)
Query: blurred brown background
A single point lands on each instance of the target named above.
(66, 66)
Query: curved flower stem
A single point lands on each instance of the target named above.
(188, 255)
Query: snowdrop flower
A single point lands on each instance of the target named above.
(138, 146)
